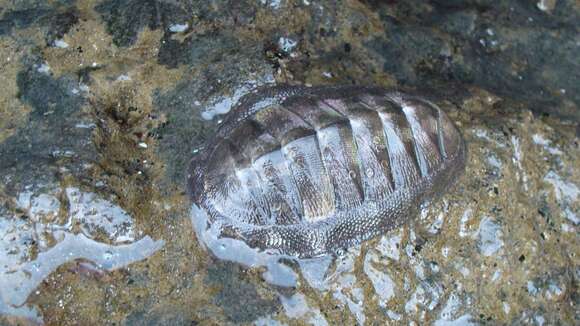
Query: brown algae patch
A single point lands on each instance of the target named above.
(91, 49)
(122, 138)
(332, 54)
(13, 113)
(127, 169)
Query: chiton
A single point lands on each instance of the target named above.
(306, 171)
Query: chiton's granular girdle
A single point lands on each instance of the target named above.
(305, 171)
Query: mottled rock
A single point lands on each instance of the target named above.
(126, 18)
(234, 291)
(499, 250)
(191, 105)
(512, 49)
(57, 129)
(55, 22)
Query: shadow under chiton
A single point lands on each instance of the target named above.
(306, 171)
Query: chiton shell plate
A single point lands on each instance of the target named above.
(307, 171)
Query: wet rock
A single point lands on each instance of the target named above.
(46, 94)
(228, 13)
(196, 48)
(36, 239)
(23, 18)
(511, 49)
(193, 107)
(426, 49)
(60, 24)
(167, 317)
(54, 21)
(498, 249)
(56, 133)
(460, 23)
(125, 19)
(296, 306)
(234, 291)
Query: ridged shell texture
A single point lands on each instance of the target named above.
(311, 170)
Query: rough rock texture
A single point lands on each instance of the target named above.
(113, 98)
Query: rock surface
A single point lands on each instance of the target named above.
(103, 103)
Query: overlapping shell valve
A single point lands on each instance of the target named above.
(309, 171)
